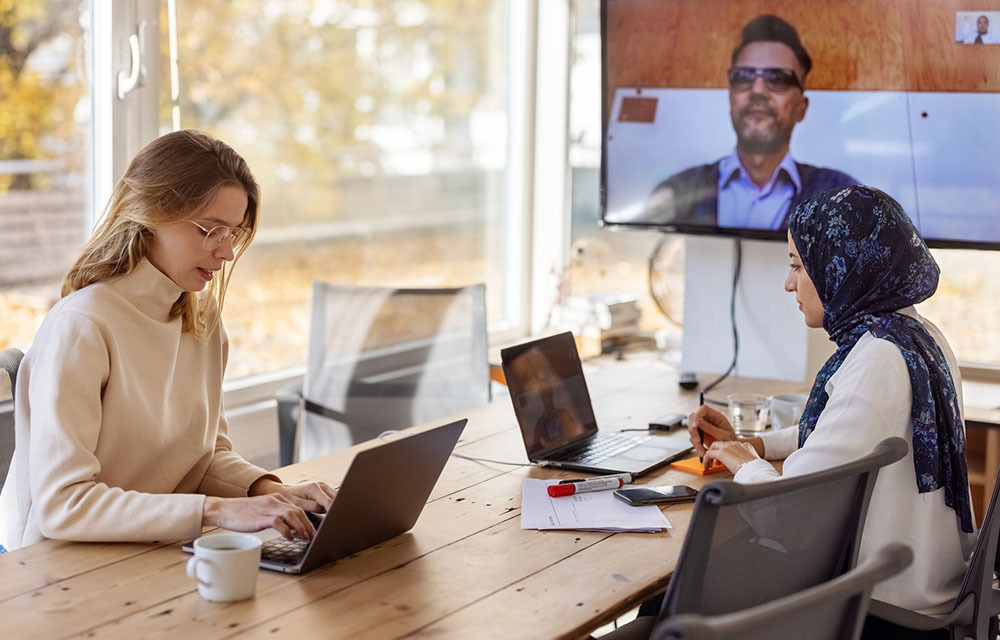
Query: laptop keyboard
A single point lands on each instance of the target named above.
(603, 445)
(283, 551)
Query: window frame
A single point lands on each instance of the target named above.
(121, 127)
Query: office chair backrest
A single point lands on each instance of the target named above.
(10, 360)
(974, 612)
(748, 544)
(985, 561)
(384, 358)
(833, 610)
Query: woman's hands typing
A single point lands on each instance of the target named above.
(271, 504)
(310, 496)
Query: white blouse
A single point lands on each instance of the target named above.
(869, 400)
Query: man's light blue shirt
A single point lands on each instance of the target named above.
(742, 204)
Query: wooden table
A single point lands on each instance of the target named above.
(466, 570)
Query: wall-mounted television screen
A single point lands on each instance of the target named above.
(721, 115)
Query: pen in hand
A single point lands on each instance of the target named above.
(701, 434)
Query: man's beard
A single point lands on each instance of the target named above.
(768, 138)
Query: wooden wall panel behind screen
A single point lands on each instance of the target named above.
(656, 43)
(861, 45)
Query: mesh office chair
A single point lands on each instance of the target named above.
(974, 614)
(748, 544)
(833, 610)
(383, 358)
(10, 360)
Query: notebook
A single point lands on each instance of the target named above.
(382, 495)
(557, 422)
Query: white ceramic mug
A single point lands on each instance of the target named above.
(786, 409)
(225, 566)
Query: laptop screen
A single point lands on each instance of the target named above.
(549, 393)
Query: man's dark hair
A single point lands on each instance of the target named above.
(768, 28)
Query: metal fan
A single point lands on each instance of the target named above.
(666, 277)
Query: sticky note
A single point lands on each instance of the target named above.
(694, 465)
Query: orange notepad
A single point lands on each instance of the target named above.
(694, 465)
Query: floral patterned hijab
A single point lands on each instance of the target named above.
(867, 261)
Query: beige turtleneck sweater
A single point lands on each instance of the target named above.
(119, 425)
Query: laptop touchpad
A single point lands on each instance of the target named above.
(643, 453)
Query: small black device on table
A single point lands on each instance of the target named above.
(637, 496)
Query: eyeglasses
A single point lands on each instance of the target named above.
(775, 78)
(217, 235)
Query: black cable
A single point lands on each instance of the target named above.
(732, 318)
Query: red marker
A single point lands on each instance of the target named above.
(593, 484)
(627, 477)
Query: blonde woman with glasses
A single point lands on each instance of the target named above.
(120, 432)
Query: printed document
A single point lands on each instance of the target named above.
(591, 511)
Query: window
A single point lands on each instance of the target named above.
(379, 135)
(601, 260)
(966, 306)
(44, 157)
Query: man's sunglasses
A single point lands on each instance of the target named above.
(775, 78)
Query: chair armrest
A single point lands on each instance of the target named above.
(961, 614)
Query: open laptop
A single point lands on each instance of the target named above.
(382, 495)
(557, 420)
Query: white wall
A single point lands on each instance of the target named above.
(774, 341)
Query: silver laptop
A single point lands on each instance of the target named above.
(382, 495)
(557, 420)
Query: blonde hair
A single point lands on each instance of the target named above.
(174, 178)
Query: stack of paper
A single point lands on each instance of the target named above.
(591, 511)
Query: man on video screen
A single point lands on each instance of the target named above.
(758, 184)
(982, 34)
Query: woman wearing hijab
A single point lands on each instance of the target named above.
(857, 268)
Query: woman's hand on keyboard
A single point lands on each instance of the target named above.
(311, 496)
(257, 513)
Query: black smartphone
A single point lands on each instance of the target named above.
(637, 496)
